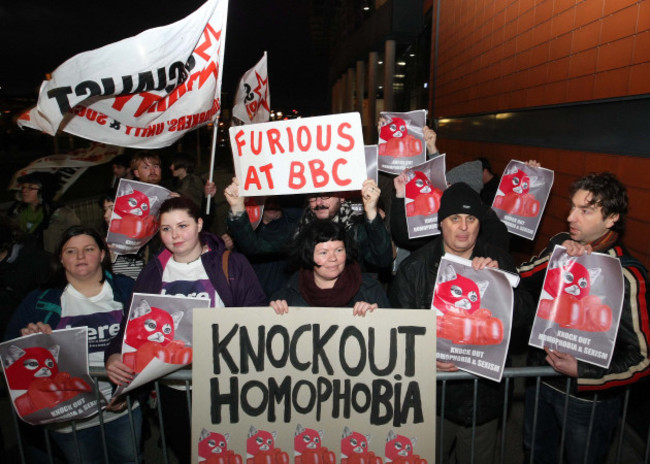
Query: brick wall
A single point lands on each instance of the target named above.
(504, 54)
(496, 55)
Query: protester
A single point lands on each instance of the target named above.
(329, 274)
(186, 182)
(599, 204)
(145, 166)
(193, 263)
(267, 246)
(368, 230)
(492, 228)
(490, 182)
(129, 265)
(23, 267)
(84, 292)
(121, 169)
(460, 217)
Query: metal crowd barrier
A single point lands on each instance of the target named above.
(445, 381)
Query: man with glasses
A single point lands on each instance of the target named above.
(368, 229)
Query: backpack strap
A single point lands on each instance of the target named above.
(224, 265)
(50, 308)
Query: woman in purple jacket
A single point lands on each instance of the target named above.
(192, 264)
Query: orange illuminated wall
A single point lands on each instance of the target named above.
(497, 55)
(500, 54)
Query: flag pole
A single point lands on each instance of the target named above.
(212, 156)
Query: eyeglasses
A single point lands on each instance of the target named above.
(322, 197)
(28, 187)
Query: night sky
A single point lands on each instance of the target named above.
(38, 35)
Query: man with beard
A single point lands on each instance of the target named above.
(145, 166)
(369, 231)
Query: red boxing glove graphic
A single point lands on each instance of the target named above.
(134, 226)
(463, 321)
(479, 328)
(399, 450)
(260, 448)
(174, 353)
(213, 447)
(399, 143)
(426, 197)
(588, 314)
(401, 148)
(308, 447)
(354, 449)
(520, 205)
(515, 185)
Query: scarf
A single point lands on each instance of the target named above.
(30, 219)
(347, 285)
(606, 241)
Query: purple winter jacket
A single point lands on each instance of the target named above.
(244, 288)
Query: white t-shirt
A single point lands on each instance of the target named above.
(191, 280)
(102, 315)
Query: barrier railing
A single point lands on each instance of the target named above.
(445, 381)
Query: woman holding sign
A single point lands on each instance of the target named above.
(193, 264)
(329, 274)
(85, 293)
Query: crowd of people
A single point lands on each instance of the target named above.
(324, 255)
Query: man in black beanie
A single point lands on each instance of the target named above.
(460, 215)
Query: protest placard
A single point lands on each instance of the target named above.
(424, 188)
(371, 170)
(135, 216)
(580, 306)
(299, 382)
(522, 196)
(401, 140)
(158, 336)
(474, 316)
(48, 377)
(308, 155)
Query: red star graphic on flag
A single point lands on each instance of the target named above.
(263, 91)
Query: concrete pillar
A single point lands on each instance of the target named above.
(349, 90)
(389, 75)
(361, 80)
(370, 135)
(335, 96)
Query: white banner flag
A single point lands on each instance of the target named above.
(253, 101)
(68, 167)
(146, 91)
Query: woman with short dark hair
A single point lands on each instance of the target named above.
(329, 273)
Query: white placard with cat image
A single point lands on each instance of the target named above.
(579, 308)
(474, 317)
(158, 336)
(48, 378)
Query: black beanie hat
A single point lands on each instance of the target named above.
(460, 198)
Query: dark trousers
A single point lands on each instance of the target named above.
(579, 446)
(177, 423)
